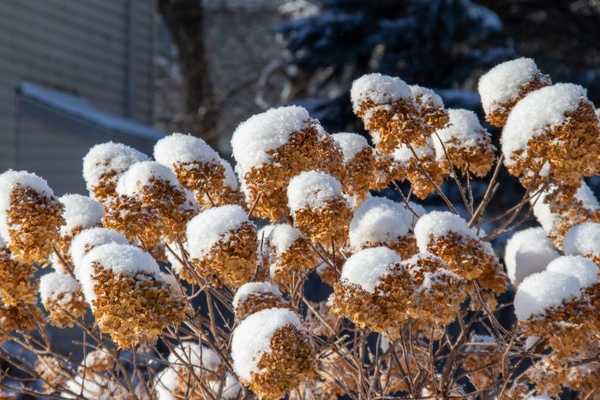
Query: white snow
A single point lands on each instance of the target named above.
(181, 148)
(543, 290)
(80, 212)
(252, 338)
(87, 239)
(108, 157)
(540, 109)
(548, 219)
(312, 189)
(440, 223)
(230, 389)
(250, 288)
(207, 228)
(527, 252)
(55, 283)
(254, 138)
(350, 143)
(367, 267)
(120, 259)
(231, 180)
(578, 267)
(378, 220)
(141, 174)
(403, 153)
(463, 126)
(426, 96)
(583, 239)
(199, 356)
(429, 278)
(166, 383)
(280, 236)
(11, 179)
(502, 84)
(380, 89)
(174, 259)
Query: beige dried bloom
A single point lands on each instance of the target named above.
(272, 147)
(222, 245)
(271, 352)
(52, 372)
(358, 165)
(62, 298)
(17, 284)
(253, 297)
(430, 107)
(130, 299)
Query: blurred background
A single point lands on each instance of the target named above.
(76, 73)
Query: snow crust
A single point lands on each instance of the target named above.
(583, 239)
(463, 126)
(87, 239)
(141, 174)
(247, 289)
(80, 212)
(584, 270)
(280, 236)
(181, 148)
(55, 283)
(528, 251)
(350, 143)
(380, 89)
(368, 267)
(440, 223)
(312, 189)
(426, 96)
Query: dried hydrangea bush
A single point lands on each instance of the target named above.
(289, 275)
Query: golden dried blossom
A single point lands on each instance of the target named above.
(256, 302)
(65, 308)
(326, 225)
(357, 174)
(52, 373)
(17, 284)
(420, 167)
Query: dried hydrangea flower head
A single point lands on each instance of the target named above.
(271, 352)
(94, 386)
(383, 171)
(555, 305)
(104, 164)
(319, 208)
(431, 107)
(388, 110)
(527, 252)
(17, 283)
(374, 290)
(22, 317)
(98, 361)
(130, 299)
(288, 254)
(437, 293)
(87, 240)
(557, 217)
(449, 237)
(420, 167)
(464, 144)
(272, 147)
(358, 164)
(198, 167)
(253, 297)
(80, 212)
(157, 188)
(584, 240)
(552, 135)
(193, 370)
(382, 222)
(222, 244)
(483, 360)
(52, 372)
(507, 83)
(62, 298)
(30, 216)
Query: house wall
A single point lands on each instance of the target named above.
(98, 49)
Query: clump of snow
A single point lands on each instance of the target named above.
(166, 383)
(463, 127)
(441, 223)
(543, 290)
(527, 252)
(583, 239)
(280, 236)
(141, 174)
(198, 356)
(179, 148)
(120, 259)
(403, 153)
(584, 270)
(175, 256)
(250, 288)
(252, 338)
(254, 138)
(430, 278)
(87, 239)
(108, 158)
(367, 267)
(312, 189)
(378, 88)
(80, 212)
(502, 84)
(350, 143)
(540, 109)
(231, 180)
(230, 389)
(56, 283)
(548, 219)
(378, 220)
(207, 228)
(11, 179)
(426, 96)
